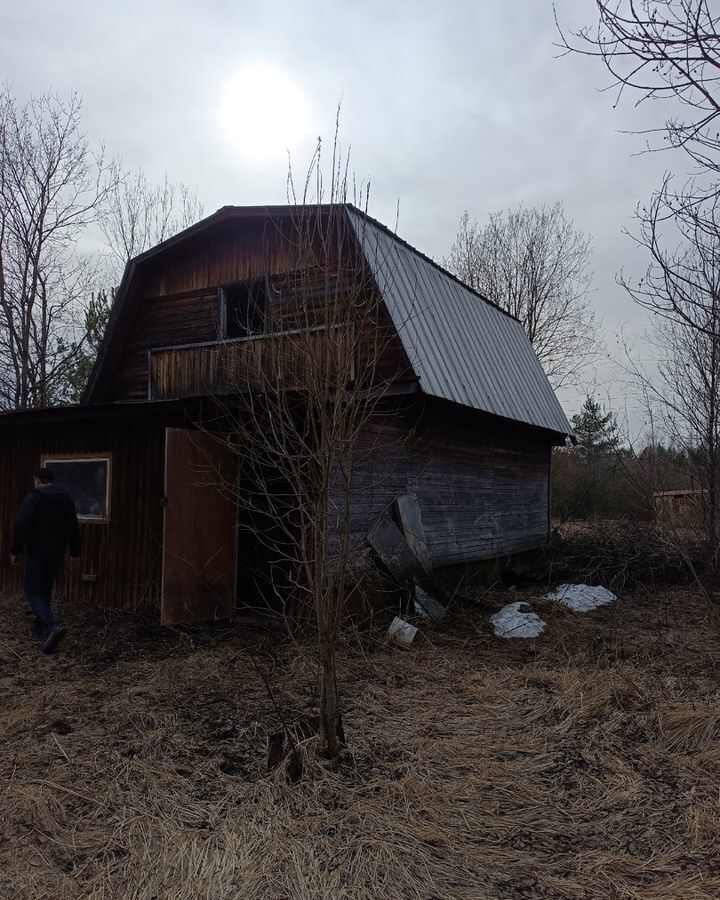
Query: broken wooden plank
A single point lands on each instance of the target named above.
(427, 607)
(393, 551)
(408, 510)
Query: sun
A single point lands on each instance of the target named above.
(263, 113)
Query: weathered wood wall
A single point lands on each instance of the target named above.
(175, 301)
(293, 359)
(125, 553)
(483, 488)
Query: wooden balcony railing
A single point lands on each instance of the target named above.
(292, 359)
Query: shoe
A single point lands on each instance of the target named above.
(54, 636)
(38, 631)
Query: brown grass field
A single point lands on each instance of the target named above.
(583, 764)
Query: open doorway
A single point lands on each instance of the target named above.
(265, 575)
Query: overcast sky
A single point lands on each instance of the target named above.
(445, 107)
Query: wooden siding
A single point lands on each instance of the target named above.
(236, 251)
(184, 318)
(177, 295)
(123, 554)
(179, 304)
(483, 491)
(290, 358)
(482, 487)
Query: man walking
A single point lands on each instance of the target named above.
(45, 528)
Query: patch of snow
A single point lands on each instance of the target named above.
(581, 597)
(516, 621)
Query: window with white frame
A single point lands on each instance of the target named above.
(87, 480)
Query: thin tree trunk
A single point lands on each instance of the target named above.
(329, 705)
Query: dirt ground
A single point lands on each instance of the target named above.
(582, 764)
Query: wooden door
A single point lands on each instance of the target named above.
(198, 579)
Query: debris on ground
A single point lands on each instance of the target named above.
(581, 597)
(393, 551)
(402, 632)
(427, 607)
(401, 552)
(585, 767)
(517, 621)
(408, 512)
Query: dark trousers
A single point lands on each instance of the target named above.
(39, 579)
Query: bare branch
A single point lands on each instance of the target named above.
(137, 215)
(534, 264)
(50, 187)
(664, 50)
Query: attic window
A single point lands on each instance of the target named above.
(244, 306)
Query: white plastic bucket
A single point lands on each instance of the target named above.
(402, 632)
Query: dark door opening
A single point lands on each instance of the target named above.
(265, 572)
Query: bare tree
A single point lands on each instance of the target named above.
(533, 263)
(665, 50)
(683, 389)
(50, 187)
(137, 215)
(669, 51)
(306, 382)
(682, 239)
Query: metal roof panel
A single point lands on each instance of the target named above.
(462, 347)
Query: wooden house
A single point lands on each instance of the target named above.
(456, 371)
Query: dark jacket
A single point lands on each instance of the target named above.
(46, 525)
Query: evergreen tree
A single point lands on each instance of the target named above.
(84, 351)
(595, 431)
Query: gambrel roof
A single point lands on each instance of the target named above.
(461, 347)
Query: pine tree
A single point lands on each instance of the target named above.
(595, 431)
(83, 352)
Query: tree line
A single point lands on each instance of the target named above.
(667, 52)
(600, 475)
(56, 292)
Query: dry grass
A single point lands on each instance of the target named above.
(583, 764)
